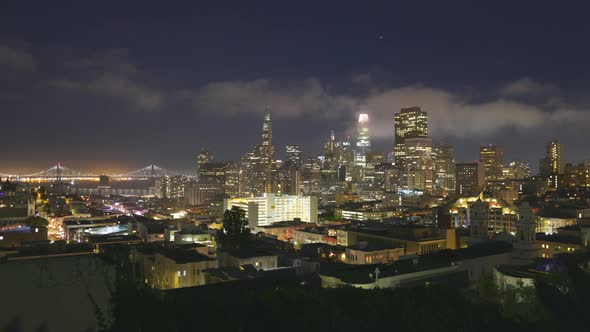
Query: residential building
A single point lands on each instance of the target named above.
(270, 208)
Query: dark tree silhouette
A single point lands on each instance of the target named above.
(36, 221)
(235, 232)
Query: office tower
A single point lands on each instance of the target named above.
(294, 182)
(212, 172)
(330, 149)
(171, 187)
(341, 173)
(257, 164)
(200, 193)
(492, 157)
(444, 169)
(516, 170)
(417, 165)
(469, 178)
(293, 156)
(311, 177)
(247, 180)
(410, 122)
(232, 179)
(222, 174)
(205, 156)
(267, 149)
(363, 142)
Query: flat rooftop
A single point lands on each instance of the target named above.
(181, 254)
(248, 253)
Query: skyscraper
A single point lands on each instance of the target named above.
(293, 156)
(444, 169)
(257, 164)
(417, 164)
(555, 155)
(363, 142)
(517, 170)
(470, 178)
(205, 156)
(552, 167)
(410, 122)
(267, 149)
(492, 157)
(330, 153)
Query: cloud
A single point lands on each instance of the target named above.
(450, 114)
(17, 59)
(286, 99)
(139, 95)
(526, 86)
(111, 74)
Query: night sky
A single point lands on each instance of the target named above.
(120, 85)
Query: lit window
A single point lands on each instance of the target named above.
(1, 237)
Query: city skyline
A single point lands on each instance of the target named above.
(237, 165)
(110, 100)
(364, 136)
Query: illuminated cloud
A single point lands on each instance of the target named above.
(526, 86)
(138, 95)
(16, 58)
(450, 114)
(286, 99)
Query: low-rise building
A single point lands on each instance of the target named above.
(363, 214)
(16, 237)
(414, 239)
(260, 259)
(364, 253)
(554, 244)
(406, 272)
(314, 235)
(152, 230)
(169, 267)
(284, 230)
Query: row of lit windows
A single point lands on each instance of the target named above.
(557, 247)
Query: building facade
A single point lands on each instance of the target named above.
(410, 122)
(270, 208)
(470, 178)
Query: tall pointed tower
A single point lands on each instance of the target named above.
(526, 247)
(363, 140)
(267, 149)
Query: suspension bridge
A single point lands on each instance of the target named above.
(60, 172)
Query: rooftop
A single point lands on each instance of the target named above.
(289, 223)
(559, 238)
(367, 247)
(113, 238)
(360, 274)
(181, 254)
(248, 253)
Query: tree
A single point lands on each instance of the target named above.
(36, 221)
(235, 230)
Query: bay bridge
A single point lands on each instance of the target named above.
(60, 172)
